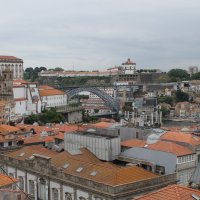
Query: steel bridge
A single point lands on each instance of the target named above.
(109, 101)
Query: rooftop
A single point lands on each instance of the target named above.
(49, 91)
(9, 58)
(181, 137)
(6, 180)
(4, 129)
(172, 192)
(105, 172)
(165, 146)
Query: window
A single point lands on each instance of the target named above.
(94, 173)
(54, 194)
(82, 198)
(79, 169)
(42, 189)
(31, 187)
(21, 182)
(11, 175)
(68, 196)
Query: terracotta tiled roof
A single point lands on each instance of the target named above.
(170, 147)
(7, 128)
(165, 146)
(172, 192)
(105, 172)
(49, 91)
(60, 136)
(102, 125)
(9, 58)
(6, 180)
(181, 137)
(133, 143)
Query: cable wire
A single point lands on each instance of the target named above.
(14, 182)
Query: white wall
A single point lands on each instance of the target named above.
(103, 148)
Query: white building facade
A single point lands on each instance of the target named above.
(26, 97)
(14, 64)
(52, 98)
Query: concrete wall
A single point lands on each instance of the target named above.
(103, 147)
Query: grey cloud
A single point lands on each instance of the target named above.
(94, 33)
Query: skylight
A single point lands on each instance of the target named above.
(94, 173)
(31, 157)
(79, 169)
(66, 165)
(21, 154)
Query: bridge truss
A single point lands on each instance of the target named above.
(109, 101)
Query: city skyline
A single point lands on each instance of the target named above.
(101, 34)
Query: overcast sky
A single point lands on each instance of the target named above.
(96, 34)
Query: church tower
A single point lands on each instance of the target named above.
(6, 86)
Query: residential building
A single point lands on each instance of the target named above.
(144, 112)
(27, 98)
(52, 98)
(172, 192)
(94, 105)
(9, 187)
(12, 194)
(14, 64)
(49, 175)
(9, 138)
(177, 158)
(187, 109)
(7, 182)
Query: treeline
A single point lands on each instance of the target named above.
(47, 116)
(31, 74)
(176, 75)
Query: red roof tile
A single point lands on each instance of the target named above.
(165, 146)
(172, 192)
(181, 137)
(6, 180)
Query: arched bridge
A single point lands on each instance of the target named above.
(109, 101)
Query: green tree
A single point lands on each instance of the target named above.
(165, 99)
(165, 111)
(181, 96)
(31, 119)
(58, 69)
(196, 76)
(178, 75)
(47, 116)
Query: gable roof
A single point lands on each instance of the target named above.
(181, 137)
(165, 146)
(172, 192)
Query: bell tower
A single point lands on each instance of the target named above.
(6, 86)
